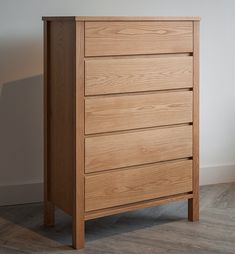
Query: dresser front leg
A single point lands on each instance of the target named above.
(78, 232)
(193, 208)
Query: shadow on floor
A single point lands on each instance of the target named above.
(31, 219)
(160, 229)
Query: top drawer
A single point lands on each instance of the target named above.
(131, 38)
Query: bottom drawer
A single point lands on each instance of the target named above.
(119, 187)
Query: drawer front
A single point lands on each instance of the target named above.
(126, 149)
(125, 112)
(107, 76)
(137, 184)
(127, 38)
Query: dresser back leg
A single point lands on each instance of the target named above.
(193, 209)
(49, 214)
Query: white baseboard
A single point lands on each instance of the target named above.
(217, 174)
(21, 193)
(33, 192)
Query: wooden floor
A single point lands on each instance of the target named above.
(162, 229)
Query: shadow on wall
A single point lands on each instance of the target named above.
(21, 131)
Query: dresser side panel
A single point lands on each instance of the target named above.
(61, 112)
(78, 181)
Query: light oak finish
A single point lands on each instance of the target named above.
(49, 209)
(137, 205)
(139, 147)
(107, 76)
(120, 115)
(78, 180)
(104, 114)
(193, 204)
(116, 38)
(120, 18)
(64, 125)
(140, 183)
(60, 109)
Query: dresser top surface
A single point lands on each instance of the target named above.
(122, 18)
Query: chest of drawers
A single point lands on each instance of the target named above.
(120, 115)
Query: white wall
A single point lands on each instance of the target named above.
(21, 83)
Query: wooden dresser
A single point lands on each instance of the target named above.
(121, 115)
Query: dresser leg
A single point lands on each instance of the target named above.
(193, 209)
(49, 214)
(78, 233)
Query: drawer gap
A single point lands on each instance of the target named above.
(136, 130)
(140, 56)
(139, 93)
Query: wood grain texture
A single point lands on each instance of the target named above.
(135, 206)
(78, 180)
(61, 112)
(105, 114)
(116, 38)
(121, 18)
(49, 213)
(137, 18)
(104, 76)
(193, 204)
(121, 111)
(137, 184)
(139, 147)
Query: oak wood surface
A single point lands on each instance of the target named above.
(104, 114)
(193, 204)
(137, 205)
(121, 115)
(116, 38)
(120, 18)
(104, 76)
(139, 147)
(78, 180)
(61, 113)
(49, 213)
(141, 183)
